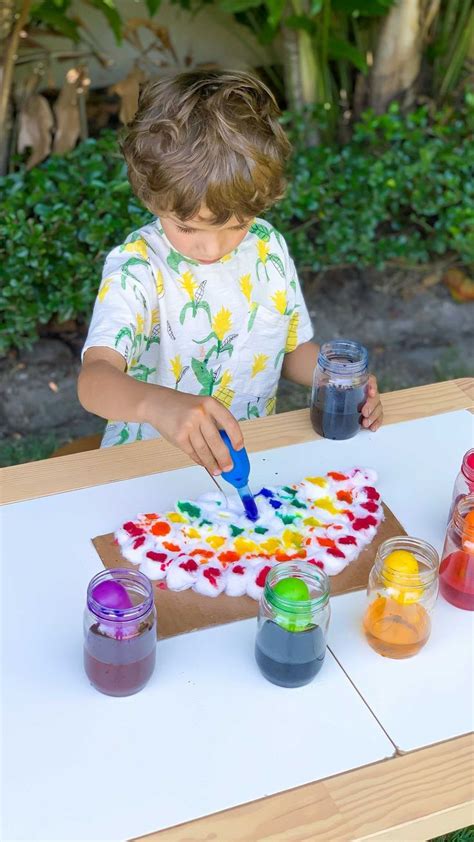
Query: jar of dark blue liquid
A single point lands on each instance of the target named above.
(293, 621)
(339, 389)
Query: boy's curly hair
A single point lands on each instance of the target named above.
(207, 138)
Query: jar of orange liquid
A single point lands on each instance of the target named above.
(456, 573)
(401, 593)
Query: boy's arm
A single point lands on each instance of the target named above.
(191, 422)
(299, 365)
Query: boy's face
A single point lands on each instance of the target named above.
(199, 239)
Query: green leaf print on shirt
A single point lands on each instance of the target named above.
(126, 273)
(141, 372)
(175, 258)
(265, 255)
(203, 376)
(260, 231)
(124, 435)
(195, 292)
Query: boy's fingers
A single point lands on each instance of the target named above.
(372, 385)
(374, 427)
(369, 406)
(227, 422)
(374, 416)
(217, 447)
(203, 453)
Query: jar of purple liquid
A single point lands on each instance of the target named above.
(119, 632)
(339, 389)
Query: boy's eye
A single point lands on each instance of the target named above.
(184, 230)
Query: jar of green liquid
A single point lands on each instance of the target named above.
(293, 621)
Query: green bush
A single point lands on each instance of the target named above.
(402, 189)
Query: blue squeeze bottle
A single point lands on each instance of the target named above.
(238, 476)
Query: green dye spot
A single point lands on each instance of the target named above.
(261, 530)
(235, 530)
(289, 490)
(189, 509)
(287, 519)
(299, 505)
(206, 522)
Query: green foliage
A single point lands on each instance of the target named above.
(57, 223)
(402, 189)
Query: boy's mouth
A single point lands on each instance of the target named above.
(207, 262)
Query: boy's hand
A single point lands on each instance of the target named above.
(372, 410)
(192, 423)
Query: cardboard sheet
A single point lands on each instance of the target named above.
(185, 611)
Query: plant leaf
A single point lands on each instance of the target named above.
(153, 6)
(341, 49)
(278, 263)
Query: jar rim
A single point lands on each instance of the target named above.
(120, 614)
(420, 549)
(302, 606)
(344, 357)
(467, 466)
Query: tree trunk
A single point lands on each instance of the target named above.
(397, 58)
(6, 82)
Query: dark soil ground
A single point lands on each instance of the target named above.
(415, 335)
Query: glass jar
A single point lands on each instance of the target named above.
(456, 573)
(339, 389)
(464, 481)
(291, 635)
(119, 632)
(401, 593)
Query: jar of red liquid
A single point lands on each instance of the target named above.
(456, 573)
(401, 593)
(119, 632)
(339, 389)
(464, 481)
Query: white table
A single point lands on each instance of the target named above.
(208, 732)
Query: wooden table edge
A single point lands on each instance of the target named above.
(414, 796)
(438, 775)
(96, 467)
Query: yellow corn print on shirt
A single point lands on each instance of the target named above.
(220, 329)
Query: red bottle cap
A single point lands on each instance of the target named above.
(468, 465)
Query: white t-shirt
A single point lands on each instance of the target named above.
(220, 329)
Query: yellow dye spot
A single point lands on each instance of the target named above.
(317, 481)
(192, 532)
(243, 546)
(215, 541)
(175, 517)
(312, 521)
(270, 545)
(326, 503)
(292, 539)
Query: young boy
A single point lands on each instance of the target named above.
(200, 312)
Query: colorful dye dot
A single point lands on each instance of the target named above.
(189, 566)
(189, 508)
(276, 504)
(265, 492)
(260, 580)
(260, 530)
(161, 528)
(235, 531)
(157, 556)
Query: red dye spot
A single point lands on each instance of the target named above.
(337, 477)
(161, 528)
(370, 506)
(281, 556)
(316, 563)
(138, 542)
(364, 522)
(344, 496)
(229, 556)
(212, 574)
(152, 516)
(326, 542)
(336, 553)
(260, 580)
(301, 554)
(190, 566)
(371, 492)
(308, 542)
(173, 548)
(132, 529)
(238, 569)
(347, 539)
(349, 514)
(162, 586)
(204, 553)
(157, 556)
